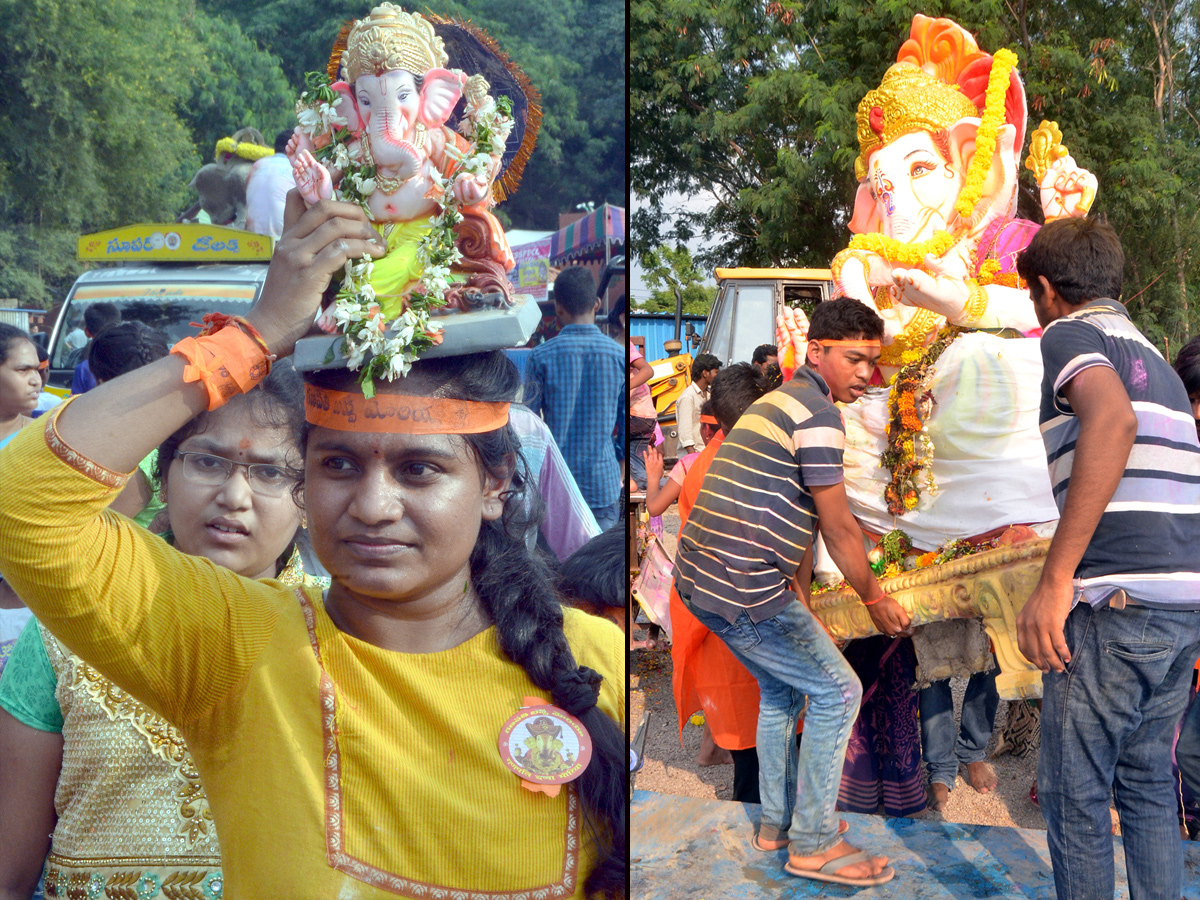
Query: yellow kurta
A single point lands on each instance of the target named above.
(334, 768)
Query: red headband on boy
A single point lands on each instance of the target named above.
(866, 345)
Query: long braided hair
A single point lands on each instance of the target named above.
(516, 592)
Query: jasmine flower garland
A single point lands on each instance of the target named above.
(487, 123)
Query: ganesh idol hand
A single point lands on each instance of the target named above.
(470, 189)
(316, 243)
(941, 286)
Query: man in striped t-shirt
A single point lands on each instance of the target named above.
(749, 533)
(1114, 622)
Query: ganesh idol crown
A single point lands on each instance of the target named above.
(427, 149)
(947, 445)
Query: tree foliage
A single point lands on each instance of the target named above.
(110, 108)
(671, 272)
(754, 104)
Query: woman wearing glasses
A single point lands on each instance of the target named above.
(94, 777)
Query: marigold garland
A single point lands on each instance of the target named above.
(989, 127)
(906, 423)
(244, 149)
(909, 345)
(897, 251)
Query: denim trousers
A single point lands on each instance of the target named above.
(942, 752)
(791, 656)
(637, 458)
(607, 516)
(1108, 723)
(1187, 749)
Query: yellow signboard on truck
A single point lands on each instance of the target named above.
(175, 242)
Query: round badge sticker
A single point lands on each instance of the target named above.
(545, 745)
(173, 240)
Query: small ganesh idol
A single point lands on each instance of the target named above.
(380, 135)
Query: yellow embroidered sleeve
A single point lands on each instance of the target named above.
(176, 631)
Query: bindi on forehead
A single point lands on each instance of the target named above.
(244, 444)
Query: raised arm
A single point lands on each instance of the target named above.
(176, 631)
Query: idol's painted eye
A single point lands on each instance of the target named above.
(921, 168)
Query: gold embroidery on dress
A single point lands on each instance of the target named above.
(195, 817)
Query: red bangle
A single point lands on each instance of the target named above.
(882, 594)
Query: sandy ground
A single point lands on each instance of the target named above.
(671, 768)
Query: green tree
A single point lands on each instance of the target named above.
(110, 108)
(755, 104)
(242, 85)
(671, 274)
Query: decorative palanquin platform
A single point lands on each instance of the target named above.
(992, 585)
(682, 847)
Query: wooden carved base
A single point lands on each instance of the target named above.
(992, 585)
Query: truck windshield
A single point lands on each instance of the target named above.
(168, 308)
(744, 318)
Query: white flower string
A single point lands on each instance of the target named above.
(487, 123)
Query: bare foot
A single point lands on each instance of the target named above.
(981, 776)
(710, 754)
(939, 796)
(867, 869)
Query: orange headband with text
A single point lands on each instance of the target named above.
(400, 413)
(868, 345)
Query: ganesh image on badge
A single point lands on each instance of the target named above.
(545, 745)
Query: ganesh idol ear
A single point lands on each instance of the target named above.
(346, 106)
(439, 93)
(866, 212)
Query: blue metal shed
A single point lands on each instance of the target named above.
(658, 328)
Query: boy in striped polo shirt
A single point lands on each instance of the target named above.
(1114, 622)
(749, 534)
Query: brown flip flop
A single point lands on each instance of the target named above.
(828, 872)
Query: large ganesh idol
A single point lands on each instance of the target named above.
(377, 130)
(950, 448)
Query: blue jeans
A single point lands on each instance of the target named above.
(607, 516)
(1187, 750)
(637, 458)
(790, 655)
(1107, 727)
(938, 745)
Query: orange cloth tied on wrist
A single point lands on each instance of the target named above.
(400, 413)
(226, 362)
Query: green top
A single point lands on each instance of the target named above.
(28, 683)
(146, 516)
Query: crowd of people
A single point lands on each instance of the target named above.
(1112, 623)
(240, 626)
